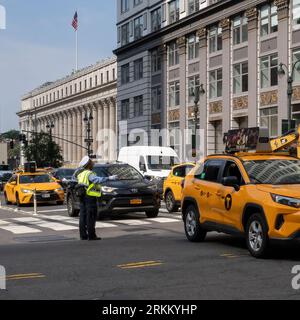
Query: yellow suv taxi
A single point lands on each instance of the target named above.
(173, 186)
(19, 189)
(249, 194)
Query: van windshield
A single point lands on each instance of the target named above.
(161, 162)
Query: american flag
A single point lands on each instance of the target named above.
(75, 21)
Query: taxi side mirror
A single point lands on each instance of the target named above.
(13, 183)
(231, 181)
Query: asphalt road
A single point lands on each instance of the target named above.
(138, 258)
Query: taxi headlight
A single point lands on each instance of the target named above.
(108, 189)
(59, 189)
(26, 191)
(287, 201)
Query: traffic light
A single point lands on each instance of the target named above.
(11, 144)
(23, 139)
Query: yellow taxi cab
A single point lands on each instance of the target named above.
(255, 195)
(173, 185)
(19, 189)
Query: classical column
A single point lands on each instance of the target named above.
(74, 135)
(251, 15)
(100, 137)
(65, 136)
(203, 114)
(226, 110)
(283, 57)
(106, 126)
(70, 138)
(113, 131)
(79, 134)
(95, 127)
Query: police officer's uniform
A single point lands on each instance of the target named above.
(88, 202)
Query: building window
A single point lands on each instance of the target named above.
(156, 19)
(296, 14)
(101, 78)
(125, 109)
(124, 5)
(296, 58)
(215, 39)
(71, 90)
(240, 77)
(75, 87)
(155, 61)
(114, 74)
(138, 69)
(137, 2)
(240, 30)
(125, 34)
(173, 54)
(125, 74)
(91, 82)
(107, 76)
(80, 86)
(174, 94)
(193, 6)
(268, 19)
(215, 83)
(156, 99)
(138, 106)
(193, 47)
(138, 28)
(96, 80)
(269, 71)
(269, 119)
(193, 83)
(173, 11)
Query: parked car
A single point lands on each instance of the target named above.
(63, 176)
(4, 177)
(130, 193)
(154, 163)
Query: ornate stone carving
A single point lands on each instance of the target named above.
(267, 98)
(156, 118)
(215, 107)
(201, 33)
(174, 115)
(282, 4)
(181, 42)
(240, 103)
(225, 23)
(191, 112)
(296, 93)
(251, 13)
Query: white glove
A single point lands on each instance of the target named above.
(113, 178)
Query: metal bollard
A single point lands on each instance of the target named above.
(34, 203)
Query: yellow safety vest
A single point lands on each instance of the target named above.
(92, 189)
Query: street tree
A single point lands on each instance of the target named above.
(44, 151)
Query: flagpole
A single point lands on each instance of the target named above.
(76, 49)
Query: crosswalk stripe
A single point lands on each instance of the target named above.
(133, 222)
(45, 224)
(163, 220)
(15, 229)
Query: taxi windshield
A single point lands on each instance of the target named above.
(28, 179)
(275, 172)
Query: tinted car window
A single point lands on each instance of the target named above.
(211, 170)
(182, 171)
(232, 170)
(124, 172)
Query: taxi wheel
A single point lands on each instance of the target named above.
(193, 230)
(170, 202)
(257, 236)
(152, 214)
(6, 199)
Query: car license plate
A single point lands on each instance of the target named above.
(136, 201)
(46, 196)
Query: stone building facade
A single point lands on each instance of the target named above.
(232, 49)
(63, 105)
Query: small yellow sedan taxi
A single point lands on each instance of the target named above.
(20, 188)
(173, 185)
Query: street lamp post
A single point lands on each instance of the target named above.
(88, 121)
(50, 126)
(290, 80)
(199, 90)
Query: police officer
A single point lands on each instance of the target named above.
(88, 202)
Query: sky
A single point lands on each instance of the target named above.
(38, 45)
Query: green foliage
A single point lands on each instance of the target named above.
(44, 151)
(11, 135)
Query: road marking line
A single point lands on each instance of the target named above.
(143, 264)
(16, 229)
(25, 276)
(163, 220)
(54, 210)
(132, 222)
(45, 224)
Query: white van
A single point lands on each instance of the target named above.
(154, 162)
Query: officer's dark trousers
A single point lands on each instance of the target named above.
(88, 217)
